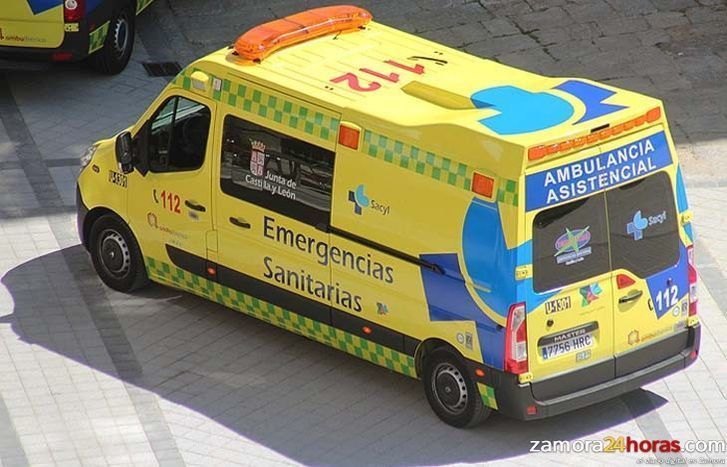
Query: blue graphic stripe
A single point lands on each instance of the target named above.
(449, 300)
(663, 281)
(491, 264)
(491, 267)
(592, 97)
(521, 111)
(41, 6)
(682, 203)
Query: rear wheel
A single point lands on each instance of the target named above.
(116, 255)
(116, 52)
(452, 394)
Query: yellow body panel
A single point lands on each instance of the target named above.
(21, 27)
(41, 24)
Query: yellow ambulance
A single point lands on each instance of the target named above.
(70, 30)
(517, 242)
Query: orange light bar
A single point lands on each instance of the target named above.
(538, 152)
(261, 41)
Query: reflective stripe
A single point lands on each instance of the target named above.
(282, 318)
(97, 37)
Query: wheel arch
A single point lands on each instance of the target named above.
(95, 214)
(426, 347)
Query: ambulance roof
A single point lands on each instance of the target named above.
(380, 76)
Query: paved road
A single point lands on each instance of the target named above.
(92, 377)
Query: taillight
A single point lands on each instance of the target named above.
(692, 281)
(623, 281)
(516, 340)
(74, 10)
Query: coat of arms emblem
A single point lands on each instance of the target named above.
(257, 158)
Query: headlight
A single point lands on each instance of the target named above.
(88, 155)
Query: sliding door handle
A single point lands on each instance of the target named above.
(195, 205)
(240, 222)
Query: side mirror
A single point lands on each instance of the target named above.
(124, 152)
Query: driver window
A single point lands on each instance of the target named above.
(178, 136)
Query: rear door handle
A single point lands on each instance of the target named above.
(195, 205)
(635, 295)
(240, 222)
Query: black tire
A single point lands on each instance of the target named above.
(116, 255)
(452, 394)
(113, 57)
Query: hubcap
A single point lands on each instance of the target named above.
(121, 35)
(114, 254)
(449, 387)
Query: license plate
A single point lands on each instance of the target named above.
(574, 344)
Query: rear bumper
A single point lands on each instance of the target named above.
(513, 398)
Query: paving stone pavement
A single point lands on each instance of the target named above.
(92, 377)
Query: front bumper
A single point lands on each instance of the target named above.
(513, 399)
(81, 213)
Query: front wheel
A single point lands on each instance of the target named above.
(116, 255)
(452, 394)
(116, 51)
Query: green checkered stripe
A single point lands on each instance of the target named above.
(97, 37)
(417, 160)
(507, 192)
(488, 395)
(142, 4)
(282, 318)
(279, 110)
(430, 164)
(275, 108)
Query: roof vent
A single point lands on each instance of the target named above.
(438, 96)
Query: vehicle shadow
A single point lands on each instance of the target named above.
(310, 403)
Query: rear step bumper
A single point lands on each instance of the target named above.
(513, 398)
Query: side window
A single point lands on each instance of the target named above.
(276, 171)
(643, 222)
(178, 136)
(570, 243)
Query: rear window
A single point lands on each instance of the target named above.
(635, 224)
(570, 243)
(643, 225)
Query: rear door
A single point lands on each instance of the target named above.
(608, 264)
(31, 23)
(648, 259)
(571, 273)
(650, 275)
